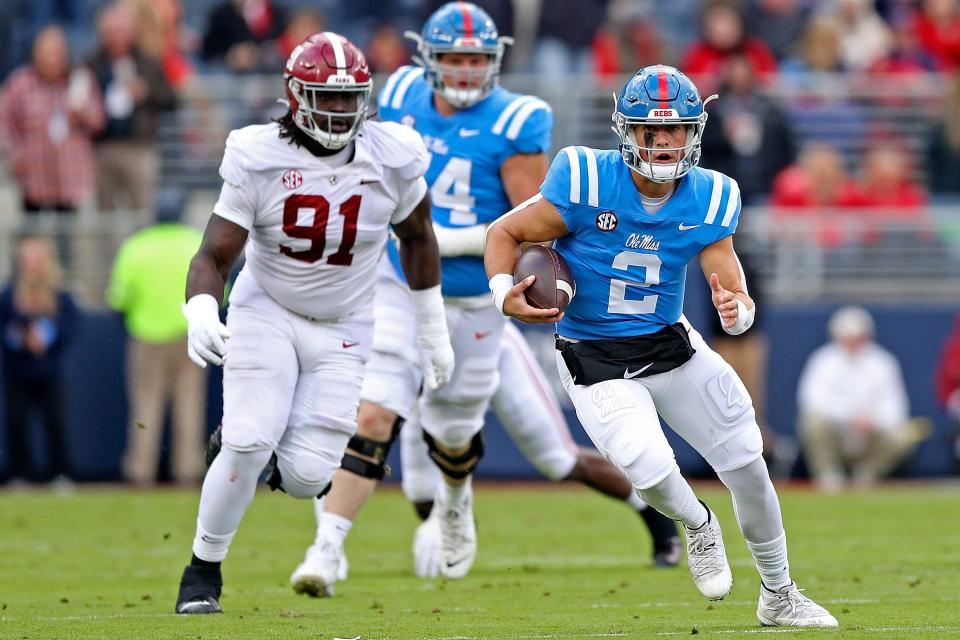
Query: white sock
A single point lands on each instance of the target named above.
(457, 493)
(227, 492)
(210, 547)
(333, 528)
(636, 501)
(771, 559)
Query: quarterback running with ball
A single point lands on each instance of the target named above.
(627, 222)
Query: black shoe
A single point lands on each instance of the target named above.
(214, 444)
(666, 540)
(199, 590)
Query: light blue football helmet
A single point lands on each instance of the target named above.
(460, 27)
(659, 95)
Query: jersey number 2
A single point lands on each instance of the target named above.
(618, 302)
(317, 232)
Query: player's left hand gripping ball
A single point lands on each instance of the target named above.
(206, 335)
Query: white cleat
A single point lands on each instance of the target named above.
(458, 535)
(324, 564)
(426, 547)
(788, 607)
(708, 559)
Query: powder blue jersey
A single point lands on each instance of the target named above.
(630, 265)
(467, 150)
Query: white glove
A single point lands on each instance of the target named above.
(436, 353)
(426, 548)
(206, 335)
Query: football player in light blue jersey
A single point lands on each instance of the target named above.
(626, 354)
(487, 149)
(487, 154)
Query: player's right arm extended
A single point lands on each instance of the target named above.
(420, 259)
(206, 335)
(534, 220)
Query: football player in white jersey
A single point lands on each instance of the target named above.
(487, 154)
(316, 193)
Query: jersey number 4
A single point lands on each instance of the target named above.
(317, 232)
(451, 190)
(618, 303)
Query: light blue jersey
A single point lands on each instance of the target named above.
(467, 150)
(630, 265)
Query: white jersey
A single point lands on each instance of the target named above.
(317, 231)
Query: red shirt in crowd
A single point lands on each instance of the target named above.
(48, 146)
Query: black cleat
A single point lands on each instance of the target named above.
(666, 540)
(199, 590)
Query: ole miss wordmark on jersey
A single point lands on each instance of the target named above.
(317, 231)
(467, 150)
(630, 265)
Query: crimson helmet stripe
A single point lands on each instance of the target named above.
(338, 54)
(663, 88)
(467, 21)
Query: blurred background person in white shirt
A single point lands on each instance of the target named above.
(854, 412)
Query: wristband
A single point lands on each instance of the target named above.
(744, 319)
(500, 286)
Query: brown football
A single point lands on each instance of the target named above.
(554, 286)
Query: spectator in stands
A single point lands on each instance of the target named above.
(779, 23)
(38, 320)
(748, 136)
(629, 40)
(302, 24)
(948, 385)
(724, 34)
(147, 288)
(817, 94)
(906, 55)
(819, 48)
(162, 36)
(938, 27)
(853, 406)
(135, 93)
(386, 51)
(865, 37)
(943, 150)
(242, 34)
(817, 181)
(886, 178)
(47, 117)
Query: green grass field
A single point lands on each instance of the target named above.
(553, 563)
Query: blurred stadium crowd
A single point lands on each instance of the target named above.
(840, 119)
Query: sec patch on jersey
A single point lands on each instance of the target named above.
(554, 286)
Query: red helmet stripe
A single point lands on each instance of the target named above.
(663, 89)
(467, 21)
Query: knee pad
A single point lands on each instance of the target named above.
(285, 478)
(459, 465)
(372, 449)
